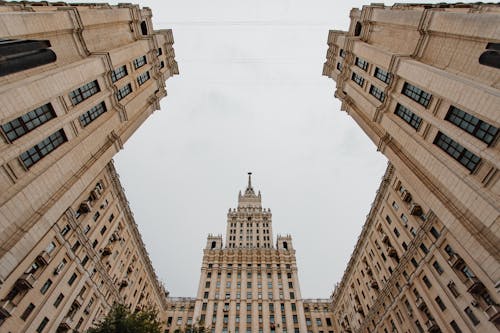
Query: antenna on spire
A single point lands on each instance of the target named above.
(249, 180)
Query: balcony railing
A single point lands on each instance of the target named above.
(474, 285)
(43, 258)
(455, 261)
(6, 308)
(26, 281)
(493, 313)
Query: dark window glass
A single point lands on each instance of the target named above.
(438, 267)
(377, 93)
(440, 303)
(72, 279)
(472, 125)
(58, 300)
(159, 52)
(416, 94)
(26, 123)
(46, 286)
(92, 114)
(139, 62)
(455, 327)
(424, 248)
(435, 233)
(28, 311)
(124, 91)
(162, 64)
(339, 66)
(358, 79)
(471, 316)
(79, 95)
(119, 73)
(382, 75)
(457, 151)
(342, 53)
(42, 325)
(42, 149)
(143, 78)
(361, 63)
(85, 260)
(408, 116)
(427, 281)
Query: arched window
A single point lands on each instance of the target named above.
(144, 28)
(213, 245)
(285, 245)
(357, 29)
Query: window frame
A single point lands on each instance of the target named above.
(417, 94)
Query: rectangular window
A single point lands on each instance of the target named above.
(438, 267)
(382, 75)
(408, 116)
(141, 79)
(427, 281)
(28, 311)
(457, 151)
(42, 325)
(339, 67)
(416, 94)
(377, 93)
(65, 230)
(472, 125)
(455, 327)
(361, 63)
(42, 149)
(58, 300)
(471, 316)
(292, 295)
(79, 95)
(119, 73)
(139, 62)
(435, 233)
(342, 53)
(123, 91)
(358, 79)
(92, 114)
(27, 122)
(440, 303)
(72, 279)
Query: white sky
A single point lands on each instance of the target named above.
(250, 97)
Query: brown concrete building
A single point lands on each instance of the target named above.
(76, 81)
(249, 284)
(422, 82)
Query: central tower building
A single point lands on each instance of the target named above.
(249, 284)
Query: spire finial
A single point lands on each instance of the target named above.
(249, 180)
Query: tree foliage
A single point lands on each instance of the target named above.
(121, 320)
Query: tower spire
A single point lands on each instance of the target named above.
(249, 180)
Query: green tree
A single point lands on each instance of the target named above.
(121, 320)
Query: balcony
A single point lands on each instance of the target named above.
(43, 258)
(432, 326)
(493, 313)
(84, 208)
(65, 325)
(392, 252)
(6, 308)
(474, 285)
(455, 261)
(406, 196)
(374, 284)
(420, 303)
(106, 251)
(26, 281)
(123, 283)
(416, 209)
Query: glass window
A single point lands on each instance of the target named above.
(26, 123)
(342, 53)
(471, 316)
(92, 114)
(457, 151)
(141, 79)
(42, 149)
(27, 311)
(123, 91)
(377, 93)
(358, 79)
(408, 116)
(42, 325)
(361, 63)
(119, 73)
(416, 94)
(382, 75)
(472, 125)
(339, 67)
(139, 62)
(87, 90)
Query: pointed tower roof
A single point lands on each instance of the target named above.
(249, 199)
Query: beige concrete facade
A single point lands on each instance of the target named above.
(428, 256)
(248, 284)
(69, 246)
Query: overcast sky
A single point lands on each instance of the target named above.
(250, 97)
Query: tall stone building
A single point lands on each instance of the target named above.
(76, 81)
(248, 284)
(422, 82)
